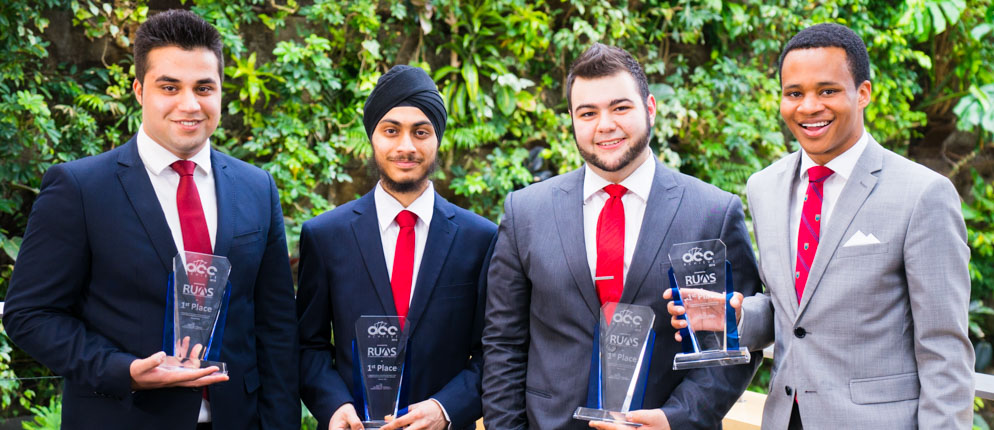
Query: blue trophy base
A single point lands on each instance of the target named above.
(373, 425)
(591, 414)
(694, 360)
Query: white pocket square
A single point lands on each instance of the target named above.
(860, 239)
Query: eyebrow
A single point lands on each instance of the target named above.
(819, 84)
(172, 80)
(613, 102)
(397, 123)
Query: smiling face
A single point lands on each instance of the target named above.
(820, 103)
(404, 149)
(180, 98)
(611, 124)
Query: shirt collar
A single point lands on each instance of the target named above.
(157, 159)
(638, 183)
(387, 207)
(843, 164)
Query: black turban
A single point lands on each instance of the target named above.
(405, 86)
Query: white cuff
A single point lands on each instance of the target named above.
(444, 412)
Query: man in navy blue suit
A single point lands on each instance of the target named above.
(399, 250)
(88, 294)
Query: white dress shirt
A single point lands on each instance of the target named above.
(842, 165)
(387, 208)
(639, 183)
(165, 181)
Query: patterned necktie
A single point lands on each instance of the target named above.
(611, 246)
(403, 264)
(809, 231)
(196, 237)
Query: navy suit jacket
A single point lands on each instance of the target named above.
(343, 275)
(88, 295)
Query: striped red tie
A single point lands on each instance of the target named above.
(809, 231)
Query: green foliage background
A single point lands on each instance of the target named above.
(298, 73)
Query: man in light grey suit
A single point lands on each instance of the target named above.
(870, 324)
(543, 301)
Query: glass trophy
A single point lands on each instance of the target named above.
(198, 291)
(380, 345)
(619, 365)
(701, 282)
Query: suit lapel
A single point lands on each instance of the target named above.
(224, 188)
(664, 200)
(367, 234)
(134, 179)
(781, 217)
(857, 189)
(441, 235)
(568, 208)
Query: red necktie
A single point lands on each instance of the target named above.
(611, 246)
(403, 264)
(196, 237)
(192, 222)
(809, 231)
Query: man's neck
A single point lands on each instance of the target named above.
(405, 198)
(616, 177)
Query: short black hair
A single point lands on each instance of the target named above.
(829, 35)
(176, 27)
(601, 60)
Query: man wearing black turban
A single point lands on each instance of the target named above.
(400, 250)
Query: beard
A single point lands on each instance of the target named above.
(405, 186)
(633, 151)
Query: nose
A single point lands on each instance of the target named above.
(188, 102)
(606, 123)
(406, 144)
(810, 105)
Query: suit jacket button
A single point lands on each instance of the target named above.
(800, 332)
(790, 391)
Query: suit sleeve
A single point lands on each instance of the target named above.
(936, 259)
(505, 332)
(276, 334)
(756, 329)
(705, 395)
(461, 396)
(321, 387)
(48, 282)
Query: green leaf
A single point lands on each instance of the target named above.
(938, 20)
(506, 101)
(11, 246)
(472, 79)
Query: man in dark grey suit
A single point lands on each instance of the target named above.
(615, 220)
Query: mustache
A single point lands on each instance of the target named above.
(408, 158)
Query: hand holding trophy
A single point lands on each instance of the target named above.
(701, 286)
(196, 299)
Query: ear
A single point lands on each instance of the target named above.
(863, 94)
(137, 88)
(650, 108)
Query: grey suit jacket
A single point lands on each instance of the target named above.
(542, 304)
(879, 339)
